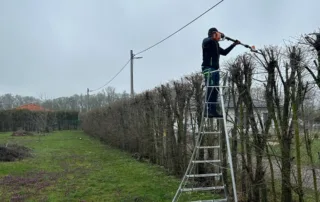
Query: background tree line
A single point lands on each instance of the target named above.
(75, 102)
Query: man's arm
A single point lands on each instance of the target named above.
(227, 50)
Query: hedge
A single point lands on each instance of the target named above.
(13, 119)
(158, 125)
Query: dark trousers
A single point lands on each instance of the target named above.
(212, 93)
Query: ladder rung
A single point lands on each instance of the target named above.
(206, 161)
(211, 132)
(206, 175)
(208, 147)
(217, 86)
(213, 117)
(202, 188)
(225, 103)
(213, 200)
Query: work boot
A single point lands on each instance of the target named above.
(215, 112)
(207, 112)
(212, 115)
(216, 115)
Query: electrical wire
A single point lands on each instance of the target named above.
(212, 7)
(111, 78)
(179, 29)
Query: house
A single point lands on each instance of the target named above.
(32, 107)
(260, 110)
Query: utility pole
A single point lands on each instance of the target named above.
(87, 99)
(132, 57)
(131, 71)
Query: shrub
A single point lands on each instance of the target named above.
(13, 152)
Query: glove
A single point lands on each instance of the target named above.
(236, 42)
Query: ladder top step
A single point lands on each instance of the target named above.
(217, 86)
(208, 147)
(213, 200)
(211, 132)
(219, 102)
(205, 175)
(202, 188)
(213, 117)
(207, 161)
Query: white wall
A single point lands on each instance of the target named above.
(231, 117)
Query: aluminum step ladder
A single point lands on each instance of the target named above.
(192, 180)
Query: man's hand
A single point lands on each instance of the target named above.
(237, 42)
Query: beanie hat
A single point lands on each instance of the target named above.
(211, 30)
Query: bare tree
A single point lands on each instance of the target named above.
(241, 75)
(41, 117)
(297, 96)
(313, 40)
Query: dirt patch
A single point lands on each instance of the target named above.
(13, 152)
(36, 180)
(15, 186)
(33, 186)
(21, 133)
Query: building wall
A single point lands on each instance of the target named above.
(263, 112)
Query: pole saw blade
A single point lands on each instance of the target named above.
(252, 48)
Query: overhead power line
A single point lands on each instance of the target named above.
(180, 28)
(144, 50)
(111, 78)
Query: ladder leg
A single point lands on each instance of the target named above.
(228, 149)
(207, 127)
(198, 142)
(190, 165)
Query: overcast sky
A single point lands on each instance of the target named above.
(62, 47)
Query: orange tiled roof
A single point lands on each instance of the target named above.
(32, 107)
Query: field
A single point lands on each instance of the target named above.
(70, 166)
(305, 160)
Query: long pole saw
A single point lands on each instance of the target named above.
(252, 48)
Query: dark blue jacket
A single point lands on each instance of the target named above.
(211, 52)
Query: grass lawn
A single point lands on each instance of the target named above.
(274, 149)
(305, 160)
(67, 168)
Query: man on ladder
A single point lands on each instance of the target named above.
(191, 180)
(211, 52)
